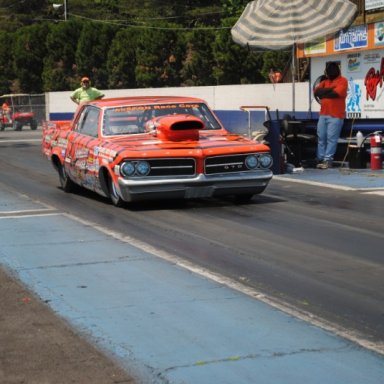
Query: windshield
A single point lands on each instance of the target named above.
(132, 119)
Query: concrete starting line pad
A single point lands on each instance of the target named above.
(160, 321)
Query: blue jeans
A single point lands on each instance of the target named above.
(328, 133)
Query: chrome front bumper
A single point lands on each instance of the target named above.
(200, 186)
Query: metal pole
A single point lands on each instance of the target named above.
(65, 10)
(293, 77)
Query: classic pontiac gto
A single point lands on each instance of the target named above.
(139, 148)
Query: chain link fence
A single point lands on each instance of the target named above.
(37, 106)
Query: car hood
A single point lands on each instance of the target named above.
(184, 132)
(206, 142)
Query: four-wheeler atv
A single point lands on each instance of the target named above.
(16, 112)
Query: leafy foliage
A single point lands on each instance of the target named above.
(93, 43)
(124, 44)
(6, 67)
(28, 52)
(60, 62)
(198, 59)
(234, 64)
(122, 61)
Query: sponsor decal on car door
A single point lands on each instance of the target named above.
(80, 155)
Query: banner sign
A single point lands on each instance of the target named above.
(320, 46)
(352, 38)
(373, 4)
(365, 74)
(362, 37)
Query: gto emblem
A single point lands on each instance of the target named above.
(232, 166)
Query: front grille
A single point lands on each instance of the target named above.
(225, 164)
(172, 167)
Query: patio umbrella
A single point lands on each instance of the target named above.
(280, 24)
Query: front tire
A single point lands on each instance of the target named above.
(117, 201)
(66, 183)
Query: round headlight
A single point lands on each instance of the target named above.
(127, 168)
(143, 168)
(251, 162)
(265, 160)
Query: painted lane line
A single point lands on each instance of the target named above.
(315, 183)
(373, 190)
(378, 192)
(27, 214)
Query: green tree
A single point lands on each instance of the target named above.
(199, 60)
(280, 60)
(59, 64)
(150, 50)
(29, 50)
(121, 63)
(92, 51)
(159, 56)
(6, 68)
(16, 14)
(184, 13)
(25, 7)
(234, 7)
(235, 64)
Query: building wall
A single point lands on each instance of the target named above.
(224, 100)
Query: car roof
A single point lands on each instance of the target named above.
(139, 100)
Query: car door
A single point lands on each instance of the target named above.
(82, 141)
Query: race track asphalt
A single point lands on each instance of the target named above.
(144, 314)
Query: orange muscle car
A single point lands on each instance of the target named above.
(140, 148)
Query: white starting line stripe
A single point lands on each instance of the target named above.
(315, 183)
(373, 191)
(379, 193)
(27, 213)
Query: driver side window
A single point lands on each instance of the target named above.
(88, 122)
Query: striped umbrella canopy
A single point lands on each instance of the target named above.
(279, 24)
